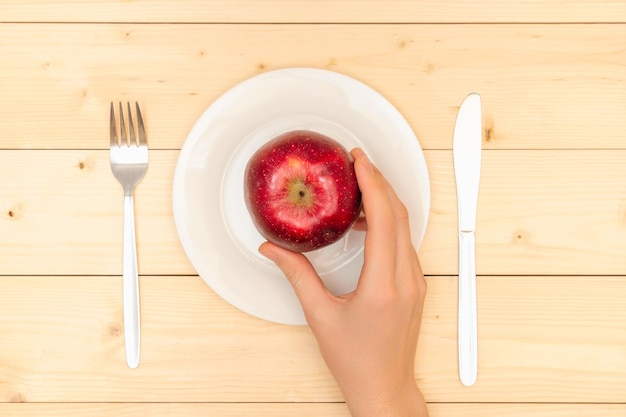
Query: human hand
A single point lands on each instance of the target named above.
(368, 337)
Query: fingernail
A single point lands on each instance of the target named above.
(366, 163)
(268, 254)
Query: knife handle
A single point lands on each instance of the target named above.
(468, 346)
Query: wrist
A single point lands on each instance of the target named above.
(407, 403)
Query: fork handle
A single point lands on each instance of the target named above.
(130, 286)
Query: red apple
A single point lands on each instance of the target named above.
(301, 190)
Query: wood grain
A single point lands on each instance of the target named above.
(540, 212)
(303, 410)
(551, 231)
(543, 86)
(542, 339)
(314, 11)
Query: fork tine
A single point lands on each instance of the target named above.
(113, 129)
(142, 130)
(123, 127)
(131, 126)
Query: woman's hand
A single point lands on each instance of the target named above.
(368, 337)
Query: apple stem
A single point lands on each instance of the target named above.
(299, 193)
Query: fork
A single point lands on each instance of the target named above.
(129, 163)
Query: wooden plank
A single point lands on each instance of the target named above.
(541, 339)
(303, 410)
(307, 11)
(540, 212)
(543, 86)
(174, 409)
(68, 216)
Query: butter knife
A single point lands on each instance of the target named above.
(466, 151)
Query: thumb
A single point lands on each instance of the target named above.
(307, 285)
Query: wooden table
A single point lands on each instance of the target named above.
(551, 240)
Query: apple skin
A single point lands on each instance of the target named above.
(301, 190)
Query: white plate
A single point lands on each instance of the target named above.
(213, 224)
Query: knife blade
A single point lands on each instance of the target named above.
(466, 150)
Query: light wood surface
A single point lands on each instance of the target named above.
(542, 339)
(303, 410)
(314, 11)
(543, 86)
(537, 208)
(551, 238)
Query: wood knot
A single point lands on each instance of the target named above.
(86, 164)
(404, 43)
(519, 236)
(489, 130)
(18, 398)
(114, 331)
(14, 212)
